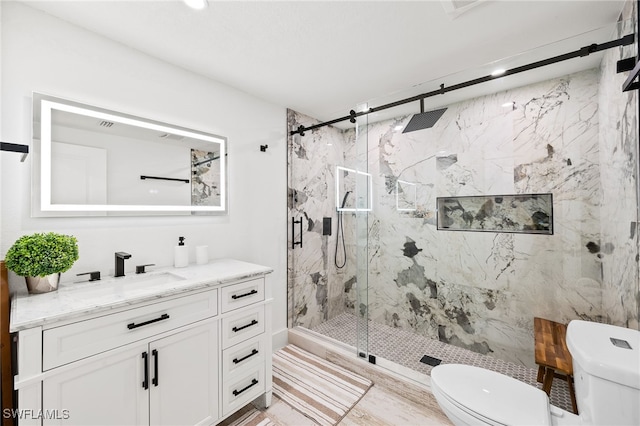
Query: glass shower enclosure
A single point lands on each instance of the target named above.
(329, 195)
(450, 224)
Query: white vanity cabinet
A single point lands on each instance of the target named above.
(141, 384)
(169, 378)
(188, 358)
(183, 374)
(246, 347)
(113, 381)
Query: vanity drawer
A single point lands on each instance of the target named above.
(242, 326)
(242, 356)
(242, 294)
(242, 389)
(68, 343)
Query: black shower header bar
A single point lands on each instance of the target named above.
(633, 80)
(584, 51)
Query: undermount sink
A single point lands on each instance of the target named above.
(148, 279)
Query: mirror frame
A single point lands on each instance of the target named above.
(42, 126)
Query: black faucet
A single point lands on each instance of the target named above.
(120, 257)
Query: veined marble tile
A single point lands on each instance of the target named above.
(316, 285)
(574, 136)
(619, 244)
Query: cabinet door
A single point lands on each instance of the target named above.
(184, 377)
(106, 391)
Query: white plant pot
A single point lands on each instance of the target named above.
(44, 284)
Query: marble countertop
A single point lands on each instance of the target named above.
(73, 300)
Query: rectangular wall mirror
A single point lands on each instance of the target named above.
(90, 161)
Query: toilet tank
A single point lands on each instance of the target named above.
(606, 371)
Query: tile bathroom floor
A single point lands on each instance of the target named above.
(406, 348)
(378, 407)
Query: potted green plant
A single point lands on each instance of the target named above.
(41, 258)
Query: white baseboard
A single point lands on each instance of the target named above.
(279, 339)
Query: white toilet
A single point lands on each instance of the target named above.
(606, 368)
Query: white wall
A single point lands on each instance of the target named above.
(44, 54)
(125, 159)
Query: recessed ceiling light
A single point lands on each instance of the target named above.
(498, 72)
(398, 128)
(196, 4)
(509, 105)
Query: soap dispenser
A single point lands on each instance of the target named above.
(180, 254)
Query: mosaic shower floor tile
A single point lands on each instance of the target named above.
(407, 349)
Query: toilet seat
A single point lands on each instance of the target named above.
(489, 397)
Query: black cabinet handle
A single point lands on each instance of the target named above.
(133, 325)
(238, 296)
(238, 392)
(239, 360)
(145, 381)
(236, 329)
(155, 367)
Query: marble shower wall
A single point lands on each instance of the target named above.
(316, 286)
(575, 137)
(481, 290)
(619, 244)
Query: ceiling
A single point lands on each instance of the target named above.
(322, 58)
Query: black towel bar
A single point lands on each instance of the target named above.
(143, 177)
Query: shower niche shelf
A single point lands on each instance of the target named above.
(516, 213)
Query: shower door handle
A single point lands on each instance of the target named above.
(293, 230)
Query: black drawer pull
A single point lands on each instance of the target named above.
(238, 296)
(160, 318)
(238, 392)
(236, 329)
(238, 361)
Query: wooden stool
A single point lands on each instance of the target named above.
(552, 356)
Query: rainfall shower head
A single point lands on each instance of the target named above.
(424, 120)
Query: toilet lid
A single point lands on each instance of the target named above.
(492, 395)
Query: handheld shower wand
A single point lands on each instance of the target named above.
(344, 199)
(341, 231)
